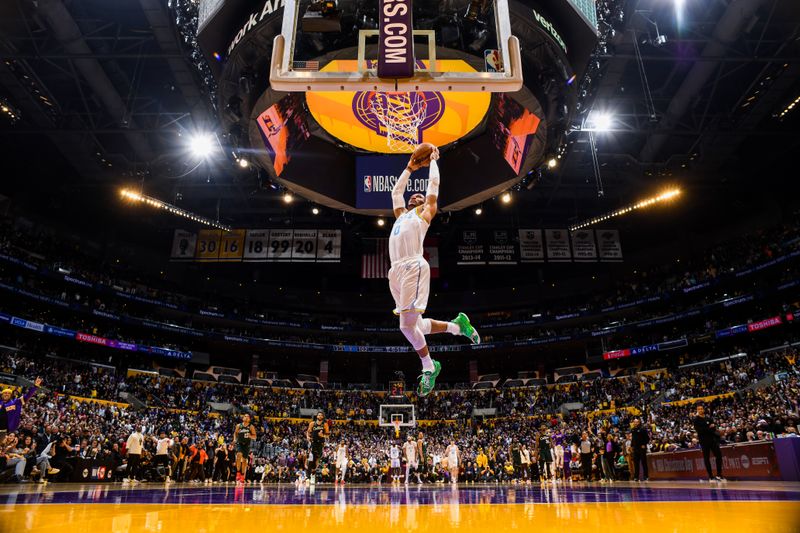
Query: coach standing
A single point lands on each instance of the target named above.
(709, 441)
(640, 438)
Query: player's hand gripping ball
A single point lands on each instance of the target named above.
(423, 154)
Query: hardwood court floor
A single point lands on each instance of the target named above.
(653, 507)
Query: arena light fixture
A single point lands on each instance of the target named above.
(599, 122)
(243, 163)
(552, 163)
(381, 222)
(794, 103)
(478, 210)
(288, 198)
(506, 198)
(201, 145)
(663, 197)
(139, 198)
(315, 211)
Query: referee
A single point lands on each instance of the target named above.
(709, 442)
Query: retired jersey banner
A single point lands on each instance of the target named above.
(502, 250)
(258, 246)
(377, 174)
(329, 246)
(208, 245)
(558, 245)
(609, 246)
(471, 251)
(231, 245)
(584, 249)
(531, 246)
(304, 245)
(280, 245)
(183, 245)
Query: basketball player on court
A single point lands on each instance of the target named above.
(341, 462)
(452, 461)
(410, 276)
(316, 434)
(412, 462)
(422, 454)
(243, 436)
(394, 456)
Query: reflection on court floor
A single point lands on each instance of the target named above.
(655, 506)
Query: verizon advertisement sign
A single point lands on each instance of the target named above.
(739, 461)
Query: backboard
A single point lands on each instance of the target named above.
(396, 46)
(388, 413)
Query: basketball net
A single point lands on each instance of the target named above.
(396, 424)
(401, 115)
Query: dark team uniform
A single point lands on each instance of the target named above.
(317, 442)
(243, 439)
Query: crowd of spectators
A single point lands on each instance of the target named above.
(56, 428)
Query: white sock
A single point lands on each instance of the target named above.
(427, 363)
(453, 328)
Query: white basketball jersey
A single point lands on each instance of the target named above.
(408, 233)
(341, 454)
(411, 451)
(452, 454)
(394, 453)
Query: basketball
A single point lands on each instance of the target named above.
(422, 154)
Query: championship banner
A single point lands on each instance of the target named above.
(329, 246)
(208, 245)
(502, 250)
(739, 461)
(531, 246)
(183, 245)
(609, 246)
(304, 245)
(557, 246)
(584, 249)
(256, 244)
(231, 245)
(280, 245)
(470, 250)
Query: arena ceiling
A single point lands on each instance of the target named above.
(106, 93)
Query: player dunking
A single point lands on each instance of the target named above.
(409, 277)
(243, 436)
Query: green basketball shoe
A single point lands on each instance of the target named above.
(462, 321)
(427, 381)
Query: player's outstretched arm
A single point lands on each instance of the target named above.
(432, 194)
(399, 189)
